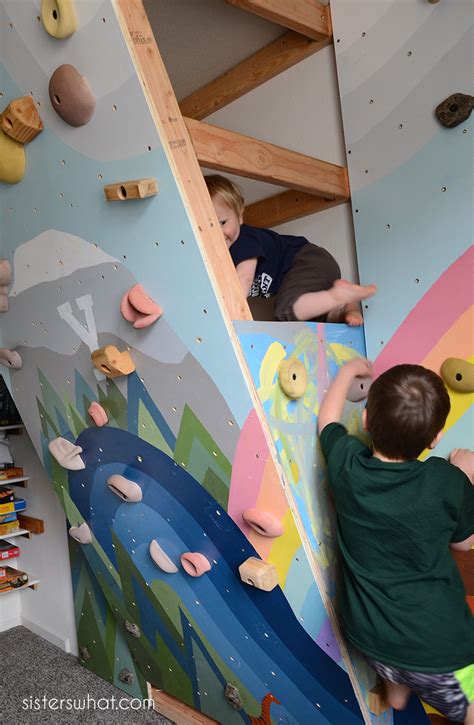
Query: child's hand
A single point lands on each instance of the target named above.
(358, 367)
(463, 459)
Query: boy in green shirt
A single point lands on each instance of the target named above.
(403, 601)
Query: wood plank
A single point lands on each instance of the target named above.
(268, 62)
(33, 525)
(222, 150)
(178, 148)
(177, 711)
(308, 17)
(286, 207)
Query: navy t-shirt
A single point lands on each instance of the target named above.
(274, 252)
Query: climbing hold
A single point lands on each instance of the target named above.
(138, 307)
(293, 378)
(3, 298)
(110, 361)
(161, 559)
(84, 653)
(98, 414)
(71, 95)
(263, 522)
(59, 18)
(232, 695)
(458, 374)
(10, 359)
(359, 389)
(194, 564)
(5, 272)
(21, 120)
(377, 700)
(132, 629)
(455, 109)
(12, 160)
(258, 573)
(127, 190)
(66, 454)
(81, 533)
(127, 490)
(433, 2)
(126, 676)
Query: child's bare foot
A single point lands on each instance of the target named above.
(346, 292)
(351, 315)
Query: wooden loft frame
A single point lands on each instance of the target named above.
(308, 17)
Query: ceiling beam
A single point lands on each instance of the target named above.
(308, 17)
(278, 56)
(222, 150)
(286, 207)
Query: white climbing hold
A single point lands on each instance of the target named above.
(161, 559)
(10, 358)
(66, 454)
(81, 533)
(127, 490)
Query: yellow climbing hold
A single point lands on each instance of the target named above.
(458, 374)
(293, 378)
(59, 18)
(12, 160)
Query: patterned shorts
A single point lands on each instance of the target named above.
(448, 692)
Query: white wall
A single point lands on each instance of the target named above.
(48, 610)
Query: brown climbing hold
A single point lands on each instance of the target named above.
(21, 120)
(259, 574)
(135, 189)
(376, 700)
(5, 272)
(110, 361)
(455, 109)
(71, 95)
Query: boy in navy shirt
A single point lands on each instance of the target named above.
(304, 278)
(402, 601)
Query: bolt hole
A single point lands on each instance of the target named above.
(55, 14)
(458, 377)
(122, 192)
(57, 99)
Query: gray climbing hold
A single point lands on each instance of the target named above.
(126, 676)
(132, 629)
(359, 389)
(232, 696)
(84, 653)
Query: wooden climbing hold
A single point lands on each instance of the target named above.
(10, 358)
(12, 159)
(71, 96)
(195, 564)
(263, 522)
(455, 109)
(82, 534)
(21, 121)
(125, 489)
(259, 574)
(458, 374)
(162, 559)
(98, 414)
(128, 190)
(67, 454)
(138, 307)
(293, 378)
(113, 363)
(376, 700)
(359, 389)
(58, 18)
(5, 272)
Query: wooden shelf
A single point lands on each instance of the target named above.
(21, 481)
(20, 532)
(32, 584)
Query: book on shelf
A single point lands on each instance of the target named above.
(12, 578)
(8, 550)
(9, 528)
(6, 495)
(6, 518)
(18, 504)
(13, 472)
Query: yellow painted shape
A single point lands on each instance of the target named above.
(284, 548)
(12, 160)
(271, 498)
(458, 341)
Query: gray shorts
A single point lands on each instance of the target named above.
(314, 269)
(448, 692)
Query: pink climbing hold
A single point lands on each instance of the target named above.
(195, 564)
(98, 414)
(10, 358)
(263, 523)
(138, 308)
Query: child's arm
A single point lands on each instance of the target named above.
(463, 458)
(332, 406)
(246, 273)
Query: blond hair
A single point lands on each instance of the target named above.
(227, 190)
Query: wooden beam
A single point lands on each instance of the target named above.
(178, 148)
(222, 150)
(33, 525)
(273, 59)
(286, 207)
(177, 711)
(308, 17)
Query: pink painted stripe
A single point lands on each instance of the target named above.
(247, 470)
(432, 316)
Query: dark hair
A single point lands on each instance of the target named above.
(407, 406)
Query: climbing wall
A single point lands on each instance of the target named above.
(411, 182)
(183, 429)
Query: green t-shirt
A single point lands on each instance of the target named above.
(402, 600)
